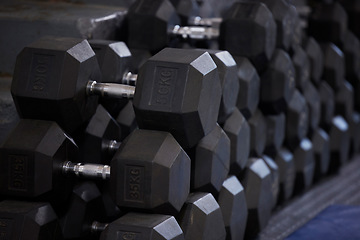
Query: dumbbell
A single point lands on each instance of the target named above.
(352, 9)
(84, 220)
(127, 119)
(328, 23)
(232, 200)
(156, 178)
(256, 180)
(201, 218)
(275, 178)
(253, 19)
(277, 84)
(182, 95)
(25, 220)
(113, 58)
(285, 16)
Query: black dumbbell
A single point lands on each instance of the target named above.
(84, 219)
(258, 127)
(316, 58)
(256, 180)
(275, 178)
(183, 91)
(275, 133)
(277, 84)
(201, 218)
(210, 161)
(38, 152)
(254, 19)
(285, 161)
(238, 130)
(232, 200)
(28, 220)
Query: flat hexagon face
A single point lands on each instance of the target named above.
(304, 165)
(321, 145)
(344, 100)
(302, 66)
(257, 184)
(28, 156)
(101, 129)
(249, 94)
(285, 161)
(285, 16)
(201, 218)
(257, 125)
(31, 219)
(233, 206)
(212, 162)
(143, 226)
(113, 58)
(157, 177)
(275, 132)
(334, 65)
(313, 101)
(229, 83)
(178, 90)
(297, 119)
(277, 84)
(315, 54)
(126, 119)
(339, 142)
(56, 71)
(327, 103)
(256, 20)
(328, 23)
(238, 130)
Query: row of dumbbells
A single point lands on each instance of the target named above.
(274, 119)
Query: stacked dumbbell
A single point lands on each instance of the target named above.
(282, 107)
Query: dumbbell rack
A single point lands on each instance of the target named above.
(286, 218)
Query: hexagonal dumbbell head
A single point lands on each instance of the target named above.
(354, 124)
(313, 101)
(184, 94)
(144, 15)
(285, 161)
(257, 125)
(285, 16)
(211, 163)
(85, 207)
(334, 65)
(275, 133)
(233, 206)
(201, 218)
(277, 84)
(100, 131)
(143, 226)
(339, 143)
(186, 9)
(304, 165)
(315, 54)
(351, 49)
(257, 184)
(302, 66)
(328, 23)
(297, 120)
(238, 130)
(56, 71)
(249, 94)
(344, 100)
(275, 181)
(165, 191)
(28, 156)
(113, 58)
(327, 98)
(28, 220)
(229, 82)
(257, 21)
(321, 146)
